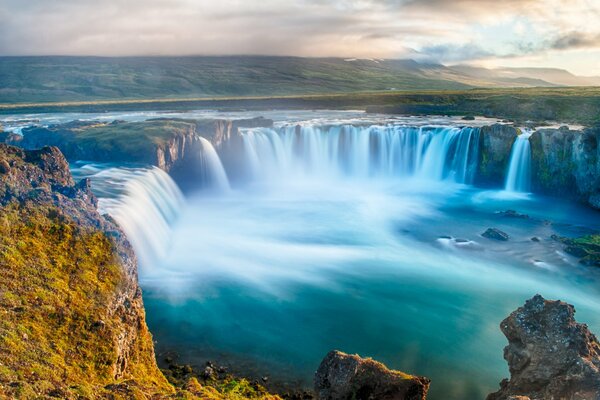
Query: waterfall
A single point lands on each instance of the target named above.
(145, 203)
(213, 173)
(363, 151)
(518, 178)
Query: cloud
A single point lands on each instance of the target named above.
(453, 52)
(575, 40)
(436, 30)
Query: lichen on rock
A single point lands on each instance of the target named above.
(349, 377)
(550, 355)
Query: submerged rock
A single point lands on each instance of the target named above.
(495, 234)
(550, 356)
(349, 377)
(513, 214)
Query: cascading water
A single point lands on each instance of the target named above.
(363, 151)
(211, 168)
(145, 203)
(518, 178)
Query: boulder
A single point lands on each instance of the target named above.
(550, 355)
(349, 377)
(495, 234)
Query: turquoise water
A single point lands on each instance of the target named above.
(269, 280)
(362, 238)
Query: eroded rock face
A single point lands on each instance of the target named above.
(349, 377)
(495, 147)
(550, 356)
(566, 163)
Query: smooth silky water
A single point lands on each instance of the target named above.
(360, 238)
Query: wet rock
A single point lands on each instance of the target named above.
(208, 373)
(549, 354)
(343, 377)
(513, 214)
(494, 156)
(495, 234)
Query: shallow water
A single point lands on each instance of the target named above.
(269, 276)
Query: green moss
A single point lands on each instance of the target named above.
(56, 281)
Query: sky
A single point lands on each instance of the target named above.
(489, 33)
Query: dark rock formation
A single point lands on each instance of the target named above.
(550, 356)
(495, 234)
(350, 377)
(494, 153)
(566, 163)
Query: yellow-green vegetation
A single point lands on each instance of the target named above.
(586, 248)
(57, 335)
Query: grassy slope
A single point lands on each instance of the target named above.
(43, 79)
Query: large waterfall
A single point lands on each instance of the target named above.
(145, 203)
(363, 151)
(518, 178)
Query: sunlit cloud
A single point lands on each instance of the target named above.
(449, 31)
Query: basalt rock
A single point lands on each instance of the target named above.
(550, 356)
(495, 234)
(349, 377)
(566, 163)
(494, 153)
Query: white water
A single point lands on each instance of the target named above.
(145, 203)
(518, 178)
(362, 152)
(213, 174)
(343, 249)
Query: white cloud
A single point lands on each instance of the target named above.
(449, 30)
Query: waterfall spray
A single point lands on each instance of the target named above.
(361, 152)
(145, 203)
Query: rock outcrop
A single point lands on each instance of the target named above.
(494, 153)
(566, 163)
(349, 377)
(495, 234)
(174, 145)
(550, 356)
(73, 320)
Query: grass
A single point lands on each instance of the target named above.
(572, 105)
(33, 79)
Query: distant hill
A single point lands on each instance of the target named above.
(53, 79)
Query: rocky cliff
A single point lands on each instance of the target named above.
(566, 163)
(73, 323)
(550, 356)
(495, 145)
(173, 145)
